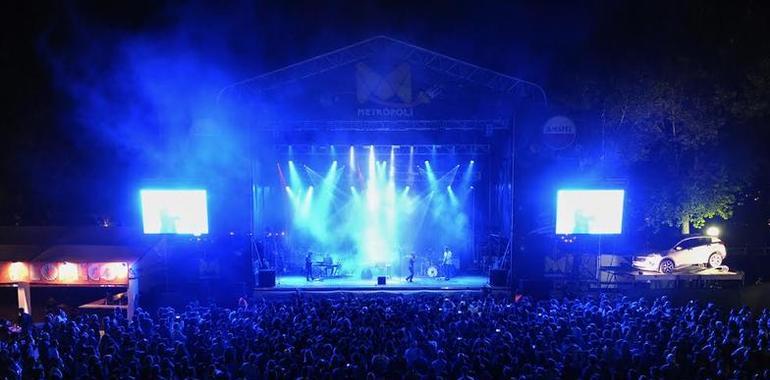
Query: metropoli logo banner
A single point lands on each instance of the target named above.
(391, 94)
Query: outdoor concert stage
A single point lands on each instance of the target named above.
(393, 284)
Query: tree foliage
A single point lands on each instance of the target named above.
(665, 133)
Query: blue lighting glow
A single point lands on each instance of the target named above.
(381, 216)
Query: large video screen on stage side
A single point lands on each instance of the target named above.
(591, 212)
(173, 211)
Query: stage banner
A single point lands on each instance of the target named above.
(64, 273)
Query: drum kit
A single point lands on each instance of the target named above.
(428, 266)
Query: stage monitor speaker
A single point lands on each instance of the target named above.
(266, 278)
(498, 277)
(380, 280)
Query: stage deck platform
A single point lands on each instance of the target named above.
(393, 284)
(692, 277)
(708, 274)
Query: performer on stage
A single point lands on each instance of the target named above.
(411, 268)
(446, 263)
(309, 266)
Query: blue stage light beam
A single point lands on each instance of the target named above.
(452, 197)
(450, 175)
(410, 169)
(466, 182)
(372, 163)
(468, 175)
(281, 177)
(431, 176)
(352, 158)
(294, 199)
(372, 192)
(313, 176)
(307, 203)
(295, 181)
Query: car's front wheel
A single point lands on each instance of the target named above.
(715, 260)
(666, 266)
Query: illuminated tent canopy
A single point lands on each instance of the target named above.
(66, 256)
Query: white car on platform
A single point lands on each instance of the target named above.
(699, 250)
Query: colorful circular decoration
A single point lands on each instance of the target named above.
(49, 272)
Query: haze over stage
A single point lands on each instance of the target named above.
(369, 210)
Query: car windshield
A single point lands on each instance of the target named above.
(695, 242)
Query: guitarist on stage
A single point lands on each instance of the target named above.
(446, 263)
(411, 268)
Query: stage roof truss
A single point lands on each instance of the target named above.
(389, 125)
(449, 66)
(384, 150)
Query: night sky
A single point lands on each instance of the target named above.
(63, 163)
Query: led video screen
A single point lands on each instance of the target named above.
(591, 212)
(181, 212)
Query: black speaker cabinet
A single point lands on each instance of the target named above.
(380, 280)
(498, 277)
(266, 278)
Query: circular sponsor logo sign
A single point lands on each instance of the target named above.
(49, 272)
(95, 272)
(559, 132)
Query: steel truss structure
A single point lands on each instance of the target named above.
(470, 150)
(390, 125)
(404, 51)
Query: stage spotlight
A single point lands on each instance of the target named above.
(431, 176)
(713, 231)
(352, 158)
(472, 162)
(452, 197)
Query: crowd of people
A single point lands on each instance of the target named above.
(463, 336)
